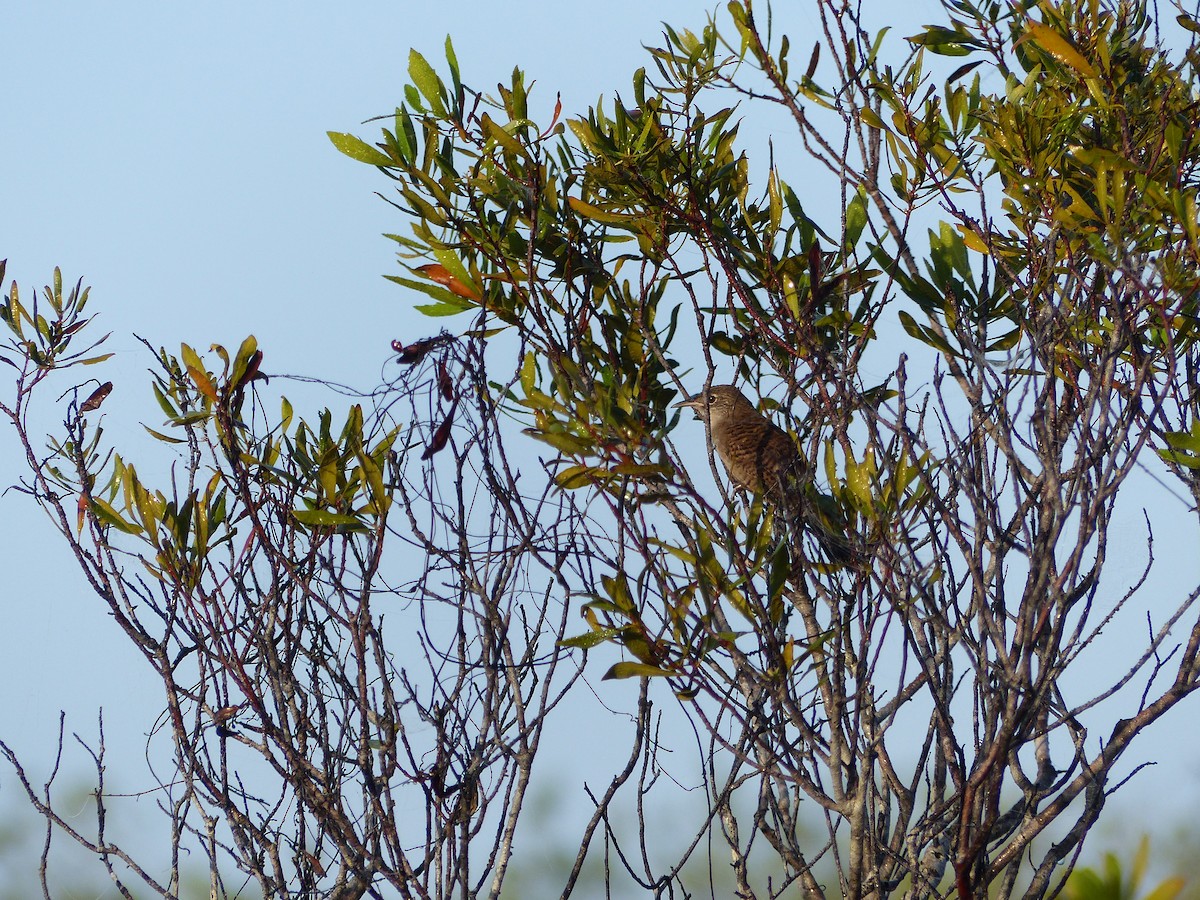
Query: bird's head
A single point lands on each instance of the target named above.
(719, 402)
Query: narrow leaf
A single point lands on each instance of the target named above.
(634, 670)
(588, 211)
(321, 517)
(427, 82)
(1058, 47)
(357, 148)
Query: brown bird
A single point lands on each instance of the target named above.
(762, 458)
(758, 455)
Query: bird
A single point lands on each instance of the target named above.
(762, 458)
(758, 455)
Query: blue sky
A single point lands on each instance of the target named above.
(175, 157)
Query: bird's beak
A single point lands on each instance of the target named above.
(696, 405)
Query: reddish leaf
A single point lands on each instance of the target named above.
(445, 382)
(440, 437)
(418, 350)
(414, 352)
(252, 368)
(553, 119)
(315, 863)
(814, 265)
(96, 397)
(812, 62)
(441, 275)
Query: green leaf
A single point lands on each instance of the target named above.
(563, 441)
(856, 217)
(831, 469)
(858, 480)
(871, 118)
(779, 571)
(1141, 859)
(191, 418)
(163, 437)
(573, 478)
(240, 362)
(454, 266)
(634, 670)
(436, 310)
(493, 131)
(1168, 889)
(617, 588)
(926, 335)
(167, 406)
(678, 553)
(452, 59)
(1187, 441)
(635, 470)
(1180, 459)
(1006, 342)
(591, 639)
(588, 211)
(406, 135)
(357, 148)
(972, 239)
(319, 517)
(963, 70)
(109, 516)
(195, 368)
(723, 343)
(944, 41)
(529, 373)
(774, 202)
(440, 309)
(427, 82)
(448, 303)
(1058, 47)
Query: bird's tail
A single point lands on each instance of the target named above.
(809, 512)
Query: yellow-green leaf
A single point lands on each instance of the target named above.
(858, 480)
(561, 440)
(640, 471)
(426, 81)
(323, 517)
(109, 516)
(496, 132)
(1168, 889)
(634, 670)
(528, 373)
(972, 239)
(590, 639)
(358, 149)
(163, 437)
(574, 477)
(195, 368)
(1059, 47)
(588, 211)
(871, 118)
(856, 217)
(774, 203)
